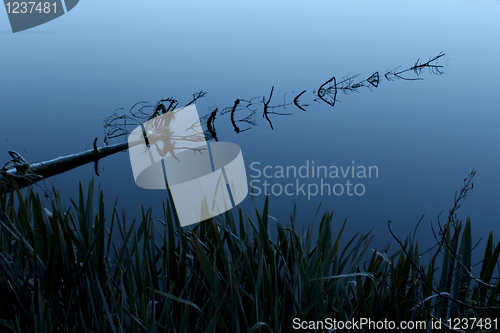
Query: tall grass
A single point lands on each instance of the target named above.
(65, 271)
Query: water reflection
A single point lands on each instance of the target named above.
(243, 112)
(242, 116)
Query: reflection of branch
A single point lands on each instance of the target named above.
(323, 92)
(238, 107)
(347, 84)
(211, 124)
(296, 101)
(118, 125)
(435, 69)
(265, 107)
(233, 110)
(236, 128)
(417, 69)
(250, 119)
(194, 150)
(160, 106)
(374, 79)
(328, 90)
(197, 96)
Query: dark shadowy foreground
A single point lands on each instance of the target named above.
(61, 271)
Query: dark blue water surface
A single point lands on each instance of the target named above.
(60, 80)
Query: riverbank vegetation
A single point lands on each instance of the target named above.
(83, 268)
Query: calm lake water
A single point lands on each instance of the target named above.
(60, 80)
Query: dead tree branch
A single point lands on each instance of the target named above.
(119, 126)
(417, 68)
(25, 174)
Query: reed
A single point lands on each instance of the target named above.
(67, 272)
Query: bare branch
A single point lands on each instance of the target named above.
(296, 101)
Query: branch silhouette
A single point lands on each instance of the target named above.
(417, 68)
(327, 93)
(119, 125)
